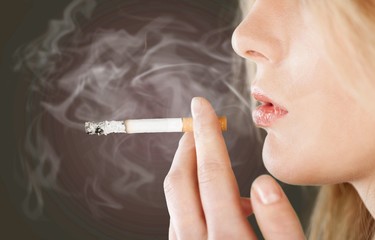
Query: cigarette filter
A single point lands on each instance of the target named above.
(156, 125)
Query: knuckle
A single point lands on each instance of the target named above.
(224, 234)
(172, 181)
(209, 171)
(192, 231)
(168, 185)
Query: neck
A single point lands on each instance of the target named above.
(366, 191)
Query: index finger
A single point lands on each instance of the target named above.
(217, 184)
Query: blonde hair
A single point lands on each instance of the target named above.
(340, 213)
(348, 31)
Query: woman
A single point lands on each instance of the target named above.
(316, 102)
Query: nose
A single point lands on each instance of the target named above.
(256, 37)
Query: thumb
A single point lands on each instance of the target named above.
(274, 214)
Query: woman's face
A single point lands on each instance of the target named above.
(316, 132)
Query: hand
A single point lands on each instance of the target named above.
(202, 193)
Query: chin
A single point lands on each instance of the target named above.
(289, 167)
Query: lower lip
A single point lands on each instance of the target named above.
(266, 115)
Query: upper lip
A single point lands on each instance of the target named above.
(261, 97)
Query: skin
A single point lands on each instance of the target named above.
(312, 144)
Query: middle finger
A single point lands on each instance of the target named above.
(217, 183)
(182, 193)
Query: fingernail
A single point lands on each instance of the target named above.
(268, 193)
(196, 104)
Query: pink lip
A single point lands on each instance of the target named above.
(268, 112)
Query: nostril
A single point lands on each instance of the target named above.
(255, 54)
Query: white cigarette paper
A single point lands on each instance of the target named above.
(156, 125)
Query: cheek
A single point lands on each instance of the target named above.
(295, 158)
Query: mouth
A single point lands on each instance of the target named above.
(267, 112)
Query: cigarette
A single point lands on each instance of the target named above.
(156, 125)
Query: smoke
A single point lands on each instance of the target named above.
(150, 70)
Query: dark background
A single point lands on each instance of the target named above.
(22, 21)
(13, 14)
